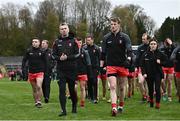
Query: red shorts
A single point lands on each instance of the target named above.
(33, 76)
(177, 74)
(120, 71)
(132, 74)
(168, 70)
(82, 77)
(102, 77)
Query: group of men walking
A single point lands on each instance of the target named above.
(83, 62)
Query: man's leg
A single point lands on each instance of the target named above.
(104, 88)
(169, 79)
(178, 88)
(163, 87)
(62, 95)
(142, 87)
(33, 84)
(122, 82)
(83, 93)
(112, 81)
(73, 94)
(39, 82)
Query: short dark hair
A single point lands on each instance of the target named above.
(115, 19)
(64, 23)
(89, 36)
(79, 39)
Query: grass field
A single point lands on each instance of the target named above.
(16, 103)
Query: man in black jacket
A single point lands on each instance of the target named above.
(37, 60)
(65, 52)
(116, 50)
(48, 73)
(168, 69)
(141, 80)
(94, 53)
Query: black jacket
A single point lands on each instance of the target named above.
(50, 62)
(94, 53)
(168, 51)
(116, 49)
(36, 59)
(69, 47)
(84, 62)
(175, 57)
(141, 49)
(149, 63)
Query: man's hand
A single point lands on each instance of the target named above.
(145, 75)
(158, 61)
(63, 57)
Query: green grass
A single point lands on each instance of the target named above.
(16, 103)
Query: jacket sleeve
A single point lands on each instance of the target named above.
(137, 59)
(98, 56)
(87, 57)
(76, 53)
(103, 53)
(164, 59)
(173, 55)
(142, 64)
(25, 59)
(88, 63)
(24, 65)
(128, 46)
(55, 54)
(46, 62)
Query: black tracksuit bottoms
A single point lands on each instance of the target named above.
(62, 93)
(93, 85)
(154, 84)
(46, 86)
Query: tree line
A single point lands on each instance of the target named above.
(18, 24)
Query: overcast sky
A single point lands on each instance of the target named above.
(157, 9)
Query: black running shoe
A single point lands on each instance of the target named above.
(62, 114)
(151, 104)
(46, 100)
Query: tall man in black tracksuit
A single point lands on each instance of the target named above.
(66, 51)
(48, 73)
(94, 53)
(116, 50)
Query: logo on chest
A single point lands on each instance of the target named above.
(120, 41)
(70, 44)
(94, 51)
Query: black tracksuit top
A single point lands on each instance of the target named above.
(69, 47)
(168, 51)
(94, 53)
(116, 49)
(176, 58)
(36, 59)
(141, 49)
(50, 62)
(83, 62)
(149, 65)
